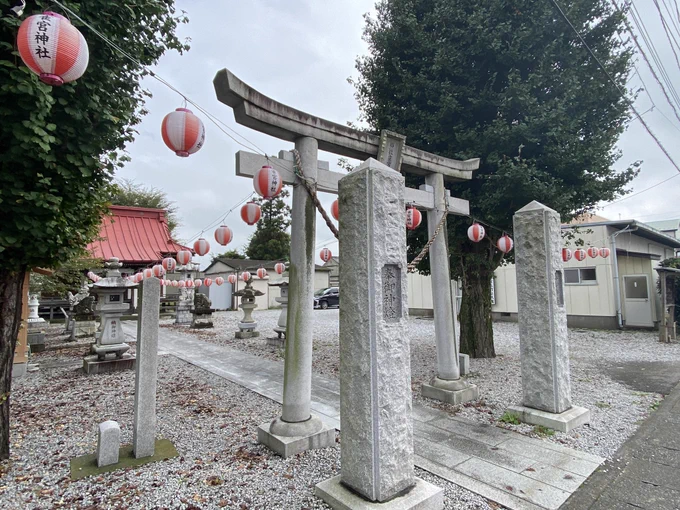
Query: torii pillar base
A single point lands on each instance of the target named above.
(451, 392)
(300, 436)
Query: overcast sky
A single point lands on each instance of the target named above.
(301, 52)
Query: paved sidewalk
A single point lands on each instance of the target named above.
(645, 472)
(514, 470)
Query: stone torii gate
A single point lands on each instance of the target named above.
(297, 430)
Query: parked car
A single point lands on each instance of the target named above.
(327, 297)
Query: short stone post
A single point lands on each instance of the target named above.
(447, 385)
(542, 317)
(375, 363)
(108, 443)
(146, 375)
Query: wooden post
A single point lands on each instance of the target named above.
(21, 350)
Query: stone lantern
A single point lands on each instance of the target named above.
(36, 335)
(110, 351)
(248, 325)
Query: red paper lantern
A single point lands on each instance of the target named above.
(261, 273)
(325, 254)
(198, 282)
(162, 282)
(413, 218)
(183, 257)
(267, 182)
(52, 48)
(593, 252)
(207, 282)
(580, 254)
(139, 277)
(280, 267)
(169, 264)
(183, 132)
(250, 213)
(158, 271)
(201, 246)
(175, 283)
(189, 284)
(168, 283)
(219, 281)
(335, 209)
(604, 252)
(231, 279)
(475, 233)
(566, 254)
(181, 284)
(505, 244)
(245, 276)
(148, 272)
(223, 235)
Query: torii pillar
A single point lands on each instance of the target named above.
(297, 430)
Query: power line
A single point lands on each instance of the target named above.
(623, 94)
(154, 75)
(640, 192)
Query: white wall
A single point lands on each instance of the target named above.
(321, 280)
(419, 291)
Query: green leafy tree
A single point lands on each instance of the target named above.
(229, 254)
(271, 241)
(510, 83)
(59, 146)
(128, 192)
(68, 277)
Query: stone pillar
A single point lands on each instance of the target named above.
(185, 302)
(375, 362)
(447, 385)
(542, 318)
(297, 430)
(146, 371)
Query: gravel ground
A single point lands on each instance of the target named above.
(212, 423)
(616, 410)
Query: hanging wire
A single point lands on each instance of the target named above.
(217, 122)
(221, 218)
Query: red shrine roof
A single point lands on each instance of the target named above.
(136, 235)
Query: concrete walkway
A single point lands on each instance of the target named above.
(645, 472)
(516, 471)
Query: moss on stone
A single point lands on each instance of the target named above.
(86, 465)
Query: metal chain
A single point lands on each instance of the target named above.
(312, 192)
(412, 265)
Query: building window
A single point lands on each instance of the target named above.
(580, 276)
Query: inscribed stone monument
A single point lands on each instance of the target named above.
(375, 371)
(542, 317)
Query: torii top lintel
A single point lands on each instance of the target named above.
(261, 113)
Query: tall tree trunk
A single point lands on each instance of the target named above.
(476, 327)
(11, 293)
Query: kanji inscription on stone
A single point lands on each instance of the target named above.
(391, 286)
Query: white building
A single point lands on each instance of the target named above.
(593, 298)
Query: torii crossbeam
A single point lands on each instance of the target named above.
(297, 430)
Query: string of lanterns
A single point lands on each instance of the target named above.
(580, 254)
(57, 52)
